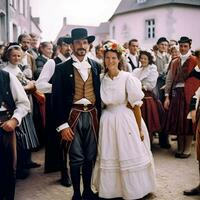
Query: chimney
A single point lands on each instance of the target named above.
(64, 21)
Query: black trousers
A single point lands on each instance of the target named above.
(84, 145)
(7, 165)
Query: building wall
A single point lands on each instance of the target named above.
(2, 21)
(170, 21)
(19, 20)
(187, 24)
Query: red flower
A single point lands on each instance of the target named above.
(114, 46)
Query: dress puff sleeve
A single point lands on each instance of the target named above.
(134, 91)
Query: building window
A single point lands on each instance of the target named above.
(141, 1)
(15, 32)
(21, 6)
(113, 32)
(150, 28)
(25, 8)
(125, 32)
(2, 27)
(13, 3)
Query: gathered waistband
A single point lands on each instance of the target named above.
(82, 107)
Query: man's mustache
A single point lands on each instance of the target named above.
(81, 49)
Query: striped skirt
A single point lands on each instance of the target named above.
(26, 134)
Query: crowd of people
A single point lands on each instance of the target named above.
(96, 110)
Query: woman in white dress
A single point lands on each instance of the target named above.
(152, 109)
(124, 166)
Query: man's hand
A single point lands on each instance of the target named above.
(67, 134)
(10, 125)
(166, 103)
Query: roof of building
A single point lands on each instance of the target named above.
(127, 6)
(66, 30)
(103, 28)
(36, 21)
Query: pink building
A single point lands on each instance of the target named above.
(147, 20)
(16, 18)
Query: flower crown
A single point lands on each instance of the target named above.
(114, 47)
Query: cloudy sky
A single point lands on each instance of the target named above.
(80, 12)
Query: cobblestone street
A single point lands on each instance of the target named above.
(173, 176)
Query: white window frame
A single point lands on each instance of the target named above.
(113, 32)
(141, 1)
(150, 29)
(2, 26)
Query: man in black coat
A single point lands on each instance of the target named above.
(76, 104)
(14, 105)
(133, 46)
(56, 157)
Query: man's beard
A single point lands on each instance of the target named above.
(67, 54)
(25, 48)
(81, 52)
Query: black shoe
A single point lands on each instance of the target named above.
(22, 174)
(177, 155)
(165, 146)
(76, 197)
(182, 155)
(33, 165)
(89, 195)
(192, 192)
(65, 181)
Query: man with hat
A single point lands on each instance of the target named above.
(181, 84)
(162, 62)
(77, 106)
(55, 150)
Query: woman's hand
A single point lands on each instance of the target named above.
(166, 103)
(30, 87)
(10, 125)
(141, 135)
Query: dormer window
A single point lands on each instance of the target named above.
(141, 1)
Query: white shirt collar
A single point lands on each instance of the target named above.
(45, 56)
(76, 59)
(161, 55)
(184, 57)
(62, 57)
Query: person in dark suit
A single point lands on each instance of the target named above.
(133, 47)
(56, 157)
(76, 107)
(14, 105)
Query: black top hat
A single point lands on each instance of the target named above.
(81, 33)
(162, 39)
(185, 39)
(62, 40)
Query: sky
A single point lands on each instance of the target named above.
(78, 12)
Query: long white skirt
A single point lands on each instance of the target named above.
(124, 166)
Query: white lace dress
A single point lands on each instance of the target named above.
(124, 166)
